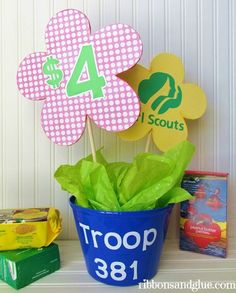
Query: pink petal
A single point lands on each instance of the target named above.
(65, 33)
(118, 47)
(63, 120)
(30, 78)
(119, 109)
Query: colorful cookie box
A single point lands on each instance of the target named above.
(203, 220)
(28, 228)
(19, 268)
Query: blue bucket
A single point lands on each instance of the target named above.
(121, 248)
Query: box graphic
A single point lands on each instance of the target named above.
(203, 220)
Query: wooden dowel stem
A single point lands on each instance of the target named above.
(148, 142)
(91, 139)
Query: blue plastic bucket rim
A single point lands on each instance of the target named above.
(118, 213)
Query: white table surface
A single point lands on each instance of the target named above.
(176, 265)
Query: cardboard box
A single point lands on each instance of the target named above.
(203, 220)
(19, 268)
(28, 228)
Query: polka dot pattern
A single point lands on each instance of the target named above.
(30, 78)
(116, 48)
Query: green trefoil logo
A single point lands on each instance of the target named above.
(162, 103)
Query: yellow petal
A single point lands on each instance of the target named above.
(134, 76)
(137, 131)
(168, 63)
(169, 130)
(194, 101)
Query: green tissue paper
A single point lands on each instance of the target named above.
(150, 181)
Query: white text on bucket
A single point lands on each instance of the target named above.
(146, 240)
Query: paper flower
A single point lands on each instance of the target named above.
(76, 77)
(165, 101)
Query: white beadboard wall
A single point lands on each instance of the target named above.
(201, 32)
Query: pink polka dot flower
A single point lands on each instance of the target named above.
(77, 77)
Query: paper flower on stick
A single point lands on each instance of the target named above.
(76, 77)
(165, 101)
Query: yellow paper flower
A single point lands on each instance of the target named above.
(165, 101)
